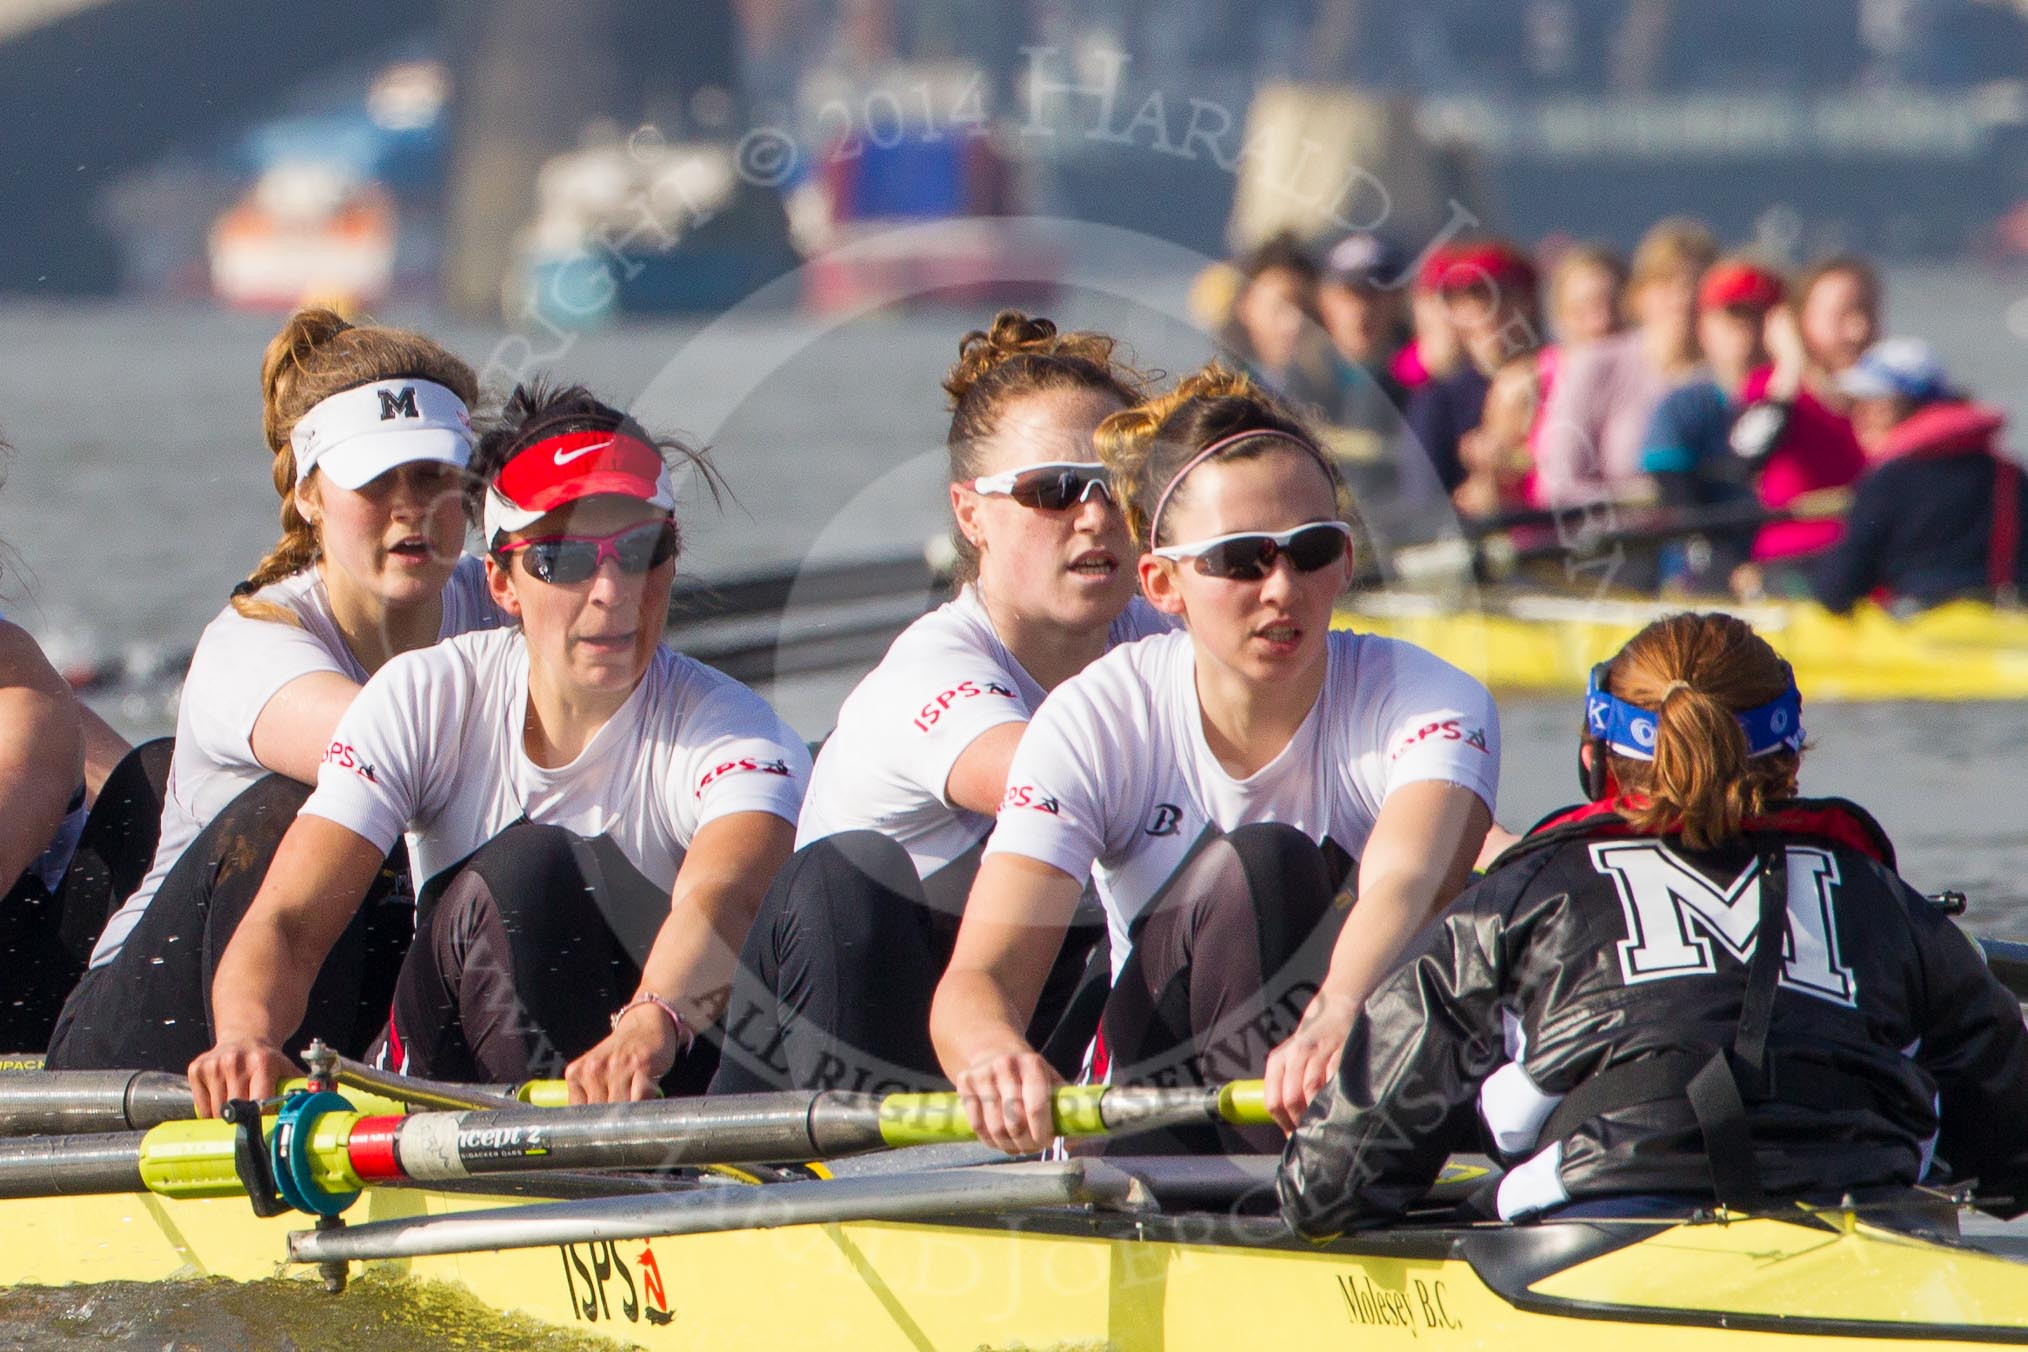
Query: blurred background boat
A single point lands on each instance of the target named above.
(342, 204)
(306, 232)
(642, 227)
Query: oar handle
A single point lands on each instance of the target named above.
(1077, 1110)
(934, 1119)
(1243, 1103)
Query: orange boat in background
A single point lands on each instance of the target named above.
(305, 232)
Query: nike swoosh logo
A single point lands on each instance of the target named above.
(565, 457)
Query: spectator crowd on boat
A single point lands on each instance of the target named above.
(1730, 428)
(1128, 808)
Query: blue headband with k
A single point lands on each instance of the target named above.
(1629, 730)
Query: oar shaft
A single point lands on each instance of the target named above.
(195, 1158)
(61, 1102)
(75, 1166)
(58, 1102)
(420, 1093)
(989, 1188)
(188, 1158)
(346, 1150)
(661, 1134)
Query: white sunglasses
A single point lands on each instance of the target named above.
(1051, 486)
(1249, 555)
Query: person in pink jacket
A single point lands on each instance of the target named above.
(1596, 418)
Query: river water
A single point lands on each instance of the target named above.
(137, 493)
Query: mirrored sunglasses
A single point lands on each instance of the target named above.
(1050, 487)
(566, 559)
(1248, 557)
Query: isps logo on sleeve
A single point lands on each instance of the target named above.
(742, 765)
(927, 717)
(1030, 797)
(344, 757)
(1441, 730)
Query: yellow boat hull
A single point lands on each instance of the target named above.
(1076, 1281)
(1961, 651)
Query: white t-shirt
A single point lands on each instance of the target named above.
(1114, 771)
(240, 664)
(945, 680)
(433, 748)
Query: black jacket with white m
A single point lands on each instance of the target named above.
(1588, 946)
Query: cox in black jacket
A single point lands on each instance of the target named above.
(1589, 947)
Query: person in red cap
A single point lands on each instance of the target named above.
(1489, 293)
(1796, 424)
(597, 816)
(1687, 451)
(1432, 349)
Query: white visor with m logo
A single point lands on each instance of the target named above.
(359, 434)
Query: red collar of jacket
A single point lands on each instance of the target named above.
(1832, 819)
(1951, 428)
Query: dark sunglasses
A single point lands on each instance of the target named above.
(1052, 486)
(1248, 557)
(566, 559)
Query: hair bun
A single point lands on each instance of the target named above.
(1012, 336)
(1144, 447)
(1214, 381)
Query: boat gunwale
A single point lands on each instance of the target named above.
(1503, 1275)
(1506, 1259)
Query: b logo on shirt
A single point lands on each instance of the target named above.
(744, 765)
(344, 757)
(1447, 730)
(1028, 796)
(1168, 817)
(934, 710)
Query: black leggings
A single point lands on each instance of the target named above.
(150, 1008)
(117, 846)
(1222, 965)
(521, 955)
(835, 981)
(40, 969)
(45, 938)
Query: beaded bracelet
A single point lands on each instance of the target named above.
(685, 1036)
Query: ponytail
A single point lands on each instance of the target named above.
(1697, 673)
(319, 353)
